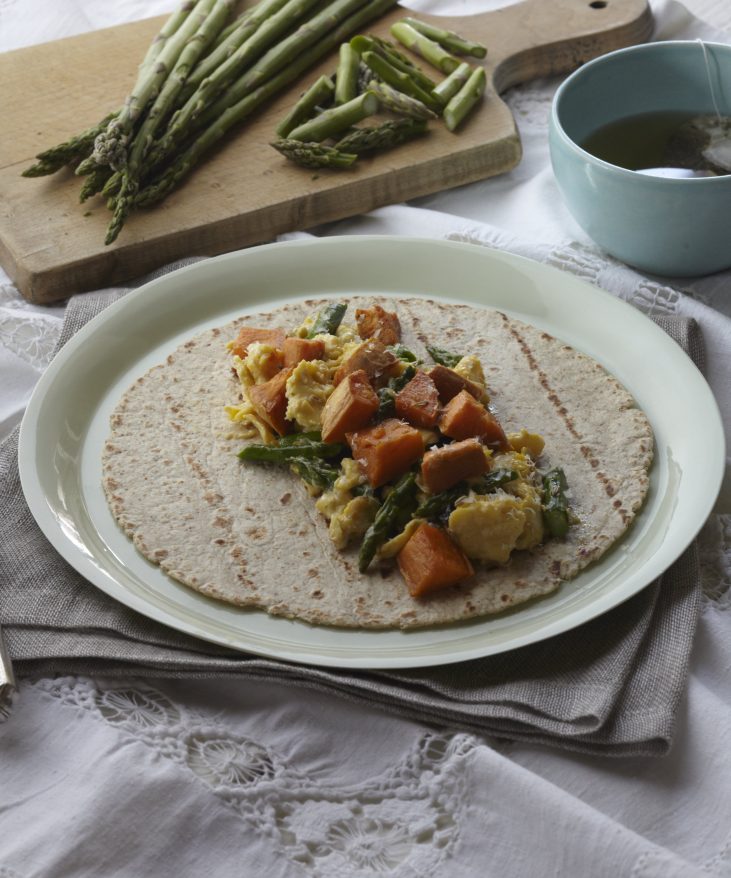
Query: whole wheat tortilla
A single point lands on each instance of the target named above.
(249, 534)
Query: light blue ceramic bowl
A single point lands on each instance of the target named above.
(662, 226)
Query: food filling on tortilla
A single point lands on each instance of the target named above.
(406, 457)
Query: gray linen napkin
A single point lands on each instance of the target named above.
(610, 687)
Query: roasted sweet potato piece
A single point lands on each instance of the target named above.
(249, 334)
(464, 417)
(373, 358)
(449, 383)
(431, 561)
(386, 450)
(270, 401)
(349, 407)
(377, 323)
(443, 467)
(297, 349)
(418, 402)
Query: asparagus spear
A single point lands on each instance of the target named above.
(384, 136)
(465, 99)
(279, 453)
(328, 320)
(423, 46)
(276, 73)
(319, 93)
(315, 472)
(399, 80)
(401, 498)
(51, 160)
(447, 38)
(209, 27)
(336, 119)
(449, 87)
(444, 358)
(271, 29)
(313, 154)
(440, 505)
(397, 102)
(362, 43)
(346, 78)
(95, 182)
(170, 27)
(555, 504)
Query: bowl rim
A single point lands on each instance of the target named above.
(609, 58)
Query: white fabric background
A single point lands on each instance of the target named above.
(166, 778)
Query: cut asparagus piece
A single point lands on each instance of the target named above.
(383, 48)
(448, 88)
(277, 70)
(424, 47)
(320, 93)
(555, 504)
(313, 155)
(401, 500)
(400, 80)
(398, 102)
(346, 78)
(384, 136)
(465, 99)
(328, 320)
(336, 119)
(448, 39)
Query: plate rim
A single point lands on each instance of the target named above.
(49, 524)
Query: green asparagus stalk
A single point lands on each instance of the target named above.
(55, 158)
(424, 47)
(346, 78)
(273, 72)
(363, 43)
(320, 93)
(440, 505)
(444, 358)
(448, 39)
(169, 28)
(449, 87)
(110, 147)
(209, 27)
(384, 136)
(270, 30)
(279, 453)
(397, 102)
(336, 119)
(328, 320)
(465, 99)
(313, 154)
(555, 504)
(315, 472)
(95, 183)
(399, 80)
(401, 499)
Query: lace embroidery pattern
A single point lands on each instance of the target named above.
(714, 544)
(29, 335)
(405, 821)
(531, 104)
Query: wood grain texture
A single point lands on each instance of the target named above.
(245, 193)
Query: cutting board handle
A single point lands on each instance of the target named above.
(537, 38)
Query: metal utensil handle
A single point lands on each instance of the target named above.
(7, 681)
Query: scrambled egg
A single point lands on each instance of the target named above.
(262, 362)
(308, 388)
(348, 516)
(470, 367)
(393, 546)
(526, 443)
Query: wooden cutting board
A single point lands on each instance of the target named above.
(246, 193)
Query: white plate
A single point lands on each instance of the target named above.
(67, 422)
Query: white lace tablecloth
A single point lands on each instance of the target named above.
(165, 778)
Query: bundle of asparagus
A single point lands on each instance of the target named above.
(199, 78)
(373, 75)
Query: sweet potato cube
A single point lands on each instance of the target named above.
(297, 349)
(373, 358)
(270, 401)
(431, 561)
(443, 467)
(418, 402)
(249, 334)
(377, 323)
(349, 407)
(386, 450)
(464, 417)
(449, 383)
